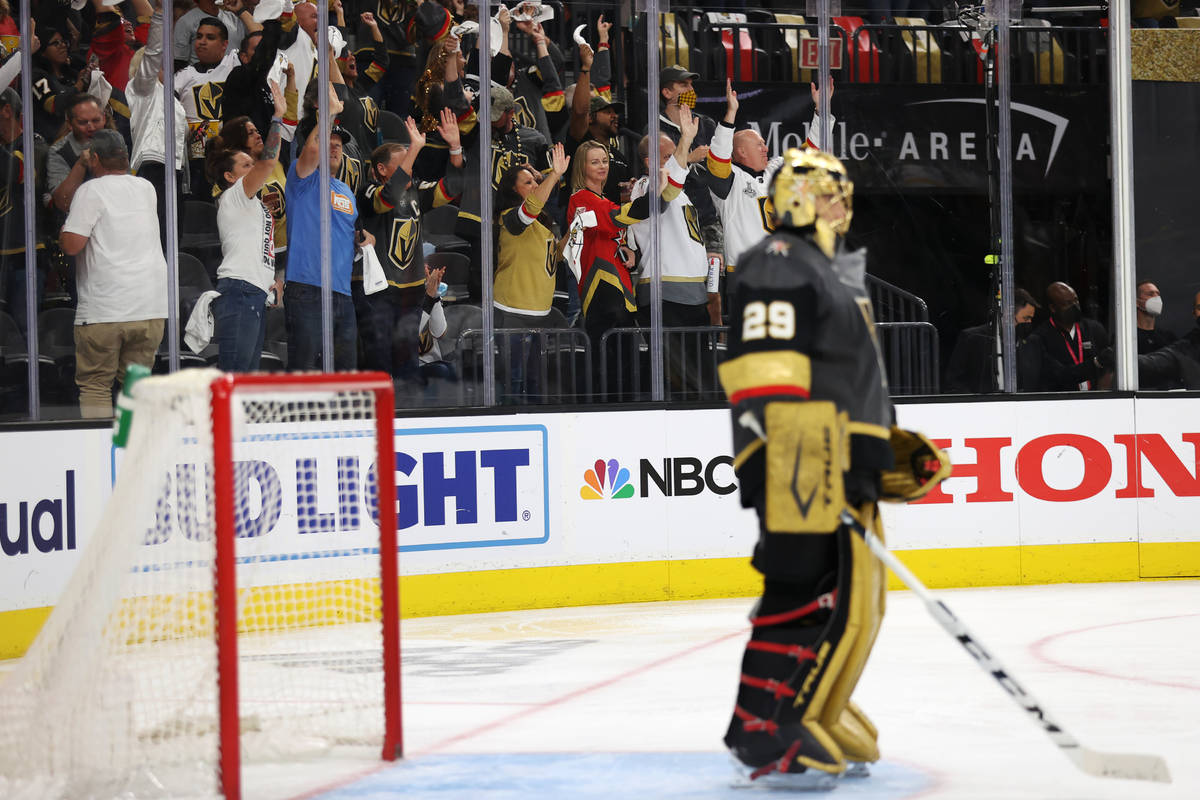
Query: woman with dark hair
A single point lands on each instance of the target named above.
(240, 133)
(54, 80)
(248, 270)
(527, 254)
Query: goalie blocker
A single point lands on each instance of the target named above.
(813, 436)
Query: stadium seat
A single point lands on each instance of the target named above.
(793, 36)
(457, 275)
(192, 273)
(198, 224)
(731, 50)
(926, 54)
(861, 52)
(56, 334)
(391, 126)
(438, 226)
(1039, 55)
(673, 40)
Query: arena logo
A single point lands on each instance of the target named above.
(1098, 464)
(938, 141)
(684, 476)
(925, 145)
(47, 523)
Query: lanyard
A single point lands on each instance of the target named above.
(1076, 358)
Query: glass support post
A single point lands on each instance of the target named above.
(324, 123)
(29, 187)
(1008, 336)
(487, 258)
(1120, 77)
(657, 378)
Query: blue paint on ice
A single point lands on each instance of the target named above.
(652, 776)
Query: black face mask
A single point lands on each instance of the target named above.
(1068, 316)
(1023, 329)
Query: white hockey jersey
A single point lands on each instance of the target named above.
(739, 195)
(684, 260)
(201, 93)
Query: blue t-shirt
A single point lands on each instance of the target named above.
(304, 230)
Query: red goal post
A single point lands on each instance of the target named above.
(224, 391)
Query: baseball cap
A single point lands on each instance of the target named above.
(598, 103)
(107, 143)
(502, 100)
(338, 130)
(675, 73)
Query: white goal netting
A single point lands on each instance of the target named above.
(118, 694)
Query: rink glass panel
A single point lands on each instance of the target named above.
(909, 102)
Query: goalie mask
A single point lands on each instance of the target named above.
(812, 188)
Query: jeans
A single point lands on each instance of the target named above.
(302, 313)
(241, 320)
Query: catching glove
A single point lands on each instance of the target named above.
(920, 466)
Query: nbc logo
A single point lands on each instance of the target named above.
(617, 478)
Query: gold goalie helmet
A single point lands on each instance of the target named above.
(811, 187)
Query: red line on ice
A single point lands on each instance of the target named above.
(572, 695)
(1038, 649)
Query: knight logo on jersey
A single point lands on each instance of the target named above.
(405, 235)
(523, 115)
(370, 113)
(351, 172)
(208, 99)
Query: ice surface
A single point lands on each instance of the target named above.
(632, 701)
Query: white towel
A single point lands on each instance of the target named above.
(574, 250)
(199, 330)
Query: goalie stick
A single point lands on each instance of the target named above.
(1131, 766)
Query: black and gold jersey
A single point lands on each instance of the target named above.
(801, 328)
(391, 212)
(526, 261)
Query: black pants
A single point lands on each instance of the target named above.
(156, 173)
(615, 366)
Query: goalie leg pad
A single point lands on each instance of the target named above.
(846, 723)
(810, 642)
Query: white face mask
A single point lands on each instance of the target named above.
(1154, 306)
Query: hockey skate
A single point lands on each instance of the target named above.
(810, 780)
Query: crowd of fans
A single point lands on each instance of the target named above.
(571, 185)
(404, 140)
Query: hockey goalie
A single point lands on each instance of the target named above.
(814, 435)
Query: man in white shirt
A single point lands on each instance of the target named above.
(121, 273)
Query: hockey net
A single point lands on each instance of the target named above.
(229, 607)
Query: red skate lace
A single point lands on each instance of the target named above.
(781, 765)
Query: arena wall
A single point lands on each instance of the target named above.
(500, 512)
